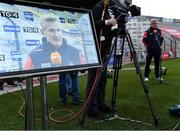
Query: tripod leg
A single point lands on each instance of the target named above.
(115, 84)
(117, 65)
(138, 69)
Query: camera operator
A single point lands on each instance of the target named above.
(153, 39)
(103, 26)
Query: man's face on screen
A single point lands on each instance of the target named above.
(53, 33)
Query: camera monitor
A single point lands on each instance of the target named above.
(39, 39)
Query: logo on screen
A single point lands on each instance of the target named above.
(11, 28)
(72, 21)
(62, 20)
(2, 57)
(32, 42)
(9, 14)
(31, 29)
(28, 15)
(17, 59)
(15, 53)
(56, 58)
(75, 31)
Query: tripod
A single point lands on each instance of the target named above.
(117, 65)
(122, 33)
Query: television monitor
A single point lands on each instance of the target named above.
(38, 39)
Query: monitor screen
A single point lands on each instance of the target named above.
(45, 39)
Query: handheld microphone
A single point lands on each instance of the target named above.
(155, 32)
(156, 37)
(56, 58)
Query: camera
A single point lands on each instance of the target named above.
(122, 9)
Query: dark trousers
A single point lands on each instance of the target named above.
(156, 54)
(63, 86)
(98, 99)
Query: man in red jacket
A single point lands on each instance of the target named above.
(153, 39)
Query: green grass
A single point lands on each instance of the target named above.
(131, 103)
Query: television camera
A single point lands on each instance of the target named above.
(121, 9)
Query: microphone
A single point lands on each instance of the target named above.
(156, 37)
(56, 58)
(155, 32)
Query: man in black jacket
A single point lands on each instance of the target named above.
(104, 35)
(153, 39)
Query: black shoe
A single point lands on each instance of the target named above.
(77, 102)
(106, 109)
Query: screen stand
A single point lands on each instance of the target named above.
(44, 105)
(29, 116)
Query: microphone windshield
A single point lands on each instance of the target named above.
(56, 58)
(155, 31)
